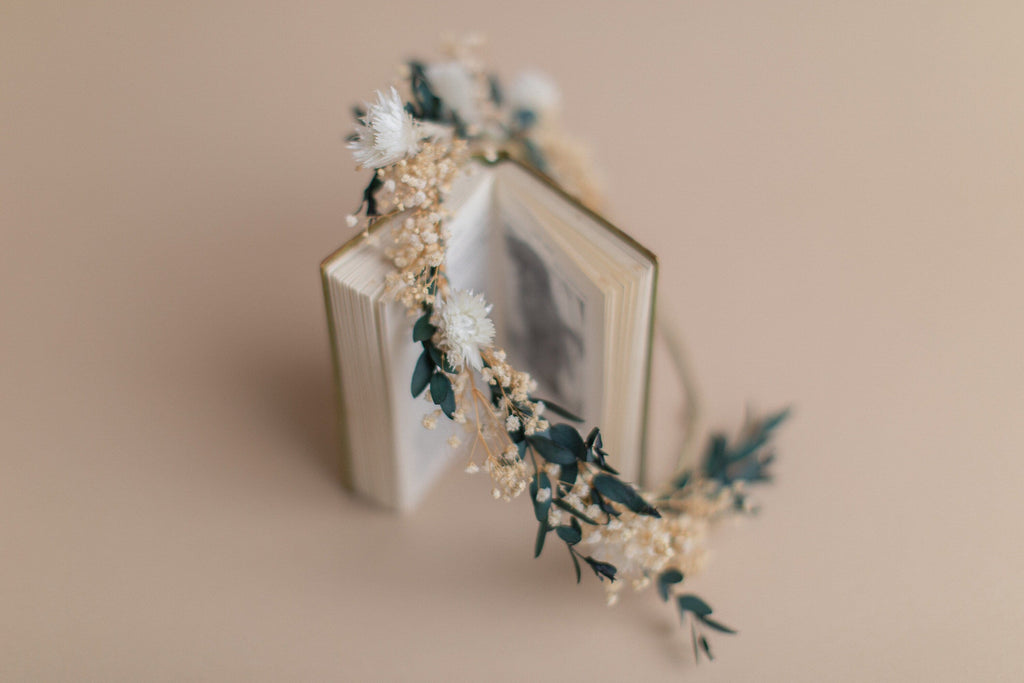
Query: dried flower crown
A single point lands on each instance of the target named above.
(416, 148)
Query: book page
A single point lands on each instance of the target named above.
(552, 315)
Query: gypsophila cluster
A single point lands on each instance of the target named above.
(417, 145)
(509, 474)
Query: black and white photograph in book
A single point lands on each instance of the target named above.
(546, 326)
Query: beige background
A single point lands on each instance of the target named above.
(835, 191)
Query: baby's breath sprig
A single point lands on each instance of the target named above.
(417, 147)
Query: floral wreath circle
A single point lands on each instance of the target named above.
(456, 111)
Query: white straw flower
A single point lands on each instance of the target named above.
(464, 328)
(387, 133)
(458, 89)
(535, 92)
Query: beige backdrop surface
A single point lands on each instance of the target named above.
(835, 191)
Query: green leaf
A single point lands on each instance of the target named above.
(691, 603)
(440, 388)
(748, 448)
(542, 532)
(448, 405)
(620, 492)
(524, 118)
(440, 360)
(494, 89)
(773, 421)
(682, 480)
(576, 563)
(605, 506)
(369, 195)
(421, 375)
(540, 481)
(551, 451)
(594, 451)
(717, 459)
(749, 459)
(666, 579)
(559, 410)
(569, 474)
(534, 156)
(518, 437)
(603, 570)
(428, 103)
(707, 648)
(423, 330)
(568, 534)
(718, 626)
(568, 438)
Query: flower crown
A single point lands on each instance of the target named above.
(417, 146)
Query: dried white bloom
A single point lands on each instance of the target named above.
(387, 133)
(511, 423)
(351, 221)
(543, 495)
(536, 92)
(458, 89)
(464, 328)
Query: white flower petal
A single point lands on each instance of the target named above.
(465, 328)
(387, 134)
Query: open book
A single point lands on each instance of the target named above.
(573, 305)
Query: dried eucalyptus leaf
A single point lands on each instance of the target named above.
(423, 330)
(440, 388)
(620, 492)
(421, 375)
(551, 451)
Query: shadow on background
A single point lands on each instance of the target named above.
(294, 397)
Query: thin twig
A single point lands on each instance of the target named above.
(691, 408)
